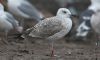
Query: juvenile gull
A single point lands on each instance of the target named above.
(24, 9)
(8, 22)
(52, 28)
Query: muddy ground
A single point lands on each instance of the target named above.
(40, 50)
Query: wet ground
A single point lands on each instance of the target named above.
(40, 50)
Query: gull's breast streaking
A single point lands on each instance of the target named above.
(52, 28)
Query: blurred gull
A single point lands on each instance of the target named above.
(52, 28)
(84, 25)
(8, 22)
(24, 9)
(95, 23)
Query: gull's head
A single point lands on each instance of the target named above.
(64, 12)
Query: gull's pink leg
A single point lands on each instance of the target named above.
(52, 49)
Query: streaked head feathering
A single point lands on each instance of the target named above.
(63, 12)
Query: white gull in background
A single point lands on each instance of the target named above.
(95, 23)
(52, 28)
(84, 24)
(8, 22)
(24, 9)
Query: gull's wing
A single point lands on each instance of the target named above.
(46, 28)
(11, 19)
(30, 10)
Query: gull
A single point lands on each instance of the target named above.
(8, 22)
(52, 28)
(95, 23)
(84, 24)
(24, 9)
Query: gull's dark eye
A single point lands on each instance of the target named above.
(64, 12)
